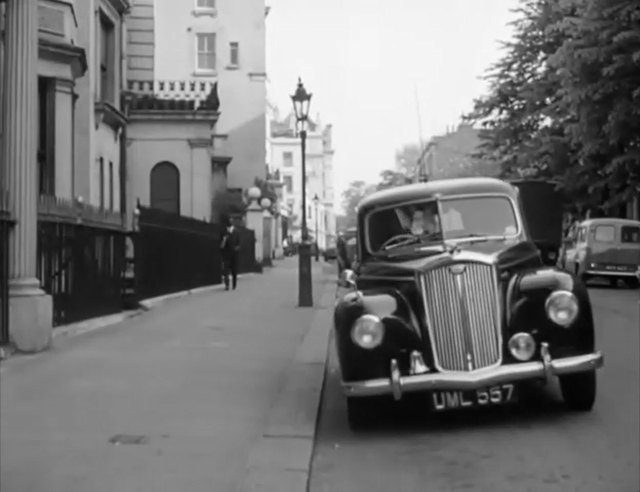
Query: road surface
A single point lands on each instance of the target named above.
(539, 448)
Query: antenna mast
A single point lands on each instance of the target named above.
(420, 140)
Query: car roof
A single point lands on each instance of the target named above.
(610, 221)
(442, 187)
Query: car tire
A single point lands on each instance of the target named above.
(632, 283)
(579, 390)
(360, 413)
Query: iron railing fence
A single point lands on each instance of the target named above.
(81, 259)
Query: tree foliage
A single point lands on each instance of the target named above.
(390, 178)
(225, 205)
(599, 63)
(407, 159)
(564, 100)
(355, 192)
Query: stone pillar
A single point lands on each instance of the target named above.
(30, 310)
(201, 181)
(277, 236)
(256, 224)
(64, 138)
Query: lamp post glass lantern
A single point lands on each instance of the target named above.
(316, 201)
(301, 101)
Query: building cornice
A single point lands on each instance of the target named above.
(121, 6)
(220, 161)
(173, 115)
(108, 114)
(199, 143)
(72, 55)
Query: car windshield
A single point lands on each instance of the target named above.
(420, 223)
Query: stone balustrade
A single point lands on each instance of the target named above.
(173, 95)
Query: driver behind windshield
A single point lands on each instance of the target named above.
(420, 220)
(424, 221)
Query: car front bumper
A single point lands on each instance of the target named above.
(611, 273)
(545, 369)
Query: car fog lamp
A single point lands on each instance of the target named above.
(562, 307)
(522, 346)
(367, 331)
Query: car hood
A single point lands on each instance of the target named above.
(504, 253)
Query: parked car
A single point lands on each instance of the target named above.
(603, 248)
(451, 298)
(329, 253)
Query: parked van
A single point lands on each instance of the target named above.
(604, 248)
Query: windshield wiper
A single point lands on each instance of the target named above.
(406, 242)
(479, 238)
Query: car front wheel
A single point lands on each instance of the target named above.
(579, 390)
(632, 283)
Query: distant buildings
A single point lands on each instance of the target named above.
(451, 155)
(285, 157)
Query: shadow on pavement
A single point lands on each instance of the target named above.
(413, 414)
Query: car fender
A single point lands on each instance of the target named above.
(402, 331)
(526, 299)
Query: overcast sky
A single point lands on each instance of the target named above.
(365, 60)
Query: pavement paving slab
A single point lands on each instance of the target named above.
(176, 399)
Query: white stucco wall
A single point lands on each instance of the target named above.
(181, 144)
(94, 139)
(241, 89)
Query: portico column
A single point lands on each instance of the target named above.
(30, 313)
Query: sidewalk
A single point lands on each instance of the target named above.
(173, 400)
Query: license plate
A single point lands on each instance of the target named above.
(620, 268)
(495, 395)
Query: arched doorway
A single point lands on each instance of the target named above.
(165, 187)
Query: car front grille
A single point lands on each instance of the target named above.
(462, 315)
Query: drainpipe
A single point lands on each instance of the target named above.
(123, 172)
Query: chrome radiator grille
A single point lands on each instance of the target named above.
(462, 315)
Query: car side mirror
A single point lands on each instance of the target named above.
(347, 279)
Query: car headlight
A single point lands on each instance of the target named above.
(562, 307)
(367, 331)
(522, 346)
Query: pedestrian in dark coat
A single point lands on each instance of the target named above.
(230, 249)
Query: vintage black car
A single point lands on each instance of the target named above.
(451, 297)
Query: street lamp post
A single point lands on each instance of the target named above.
(316, 200)
(301, 101)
